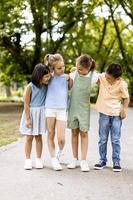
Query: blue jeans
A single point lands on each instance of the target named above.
(112, 125)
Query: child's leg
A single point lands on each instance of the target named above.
(84, 147)
(39, 146)
(28, 146)
(51, 134)
(61, 127)
(75, 141)
(104, 126)
(84, 144)
(115, 132)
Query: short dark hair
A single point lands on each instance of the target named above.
(39, 71)
(114, 70)
(86, 61)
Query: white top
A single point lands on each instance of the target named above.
(95, 76)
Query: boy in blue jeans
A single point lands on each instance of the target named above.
(112, 103)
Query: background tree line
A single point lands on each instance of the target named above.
(31, 28)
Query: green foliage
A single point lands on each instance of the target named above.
(18, 93)
(29, 29)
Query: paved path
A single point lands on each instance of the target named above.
(46, 184)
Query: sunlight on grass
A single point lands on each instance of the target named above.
(5, 141)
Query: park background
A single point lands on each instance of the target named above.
(29, 29)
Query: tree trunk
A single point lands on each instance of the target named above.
(8, 91)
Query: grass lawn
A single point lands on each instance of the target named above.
(10, 114)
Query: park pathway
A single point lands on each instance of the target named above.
(46, 184)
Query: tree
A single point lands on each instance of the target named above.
(68, 27)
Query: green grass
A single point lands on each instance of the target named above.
(10, 114)
(6, 141)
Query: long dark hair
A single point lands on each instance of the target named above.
(39, 71)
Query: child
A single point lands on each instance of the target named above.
(56, 106)
(33, 118)
(112, 90)
(79, 110)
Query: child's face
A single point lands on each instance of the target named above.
(111, 79)
(82, 70)
(59, 68)
(45, 79)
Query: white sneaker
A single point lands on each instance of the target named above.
(28, 164)
(55, 164)
(38, 164)
(84, 166)
(73, 164)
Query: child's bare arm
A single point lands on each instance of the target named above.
(69, 80)
(124, 108)
(70, 83)
(98, 82)
(27, 96)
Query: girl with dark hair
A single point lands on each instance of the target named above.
(32, 123)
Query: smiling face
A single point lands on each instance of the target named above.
(45, 79)
(82, 70)
(59, 68)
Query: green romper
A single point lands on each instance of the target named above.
(79, 110)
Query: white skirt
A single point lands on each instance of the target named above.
(38, 122)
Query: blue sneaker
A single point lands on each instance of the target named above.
(100, 165)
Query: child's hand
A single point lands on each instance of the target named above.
(122, 113)
(66, 76)
(28, 123)
(73, 69)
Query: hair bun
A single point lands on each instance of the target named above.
(93, 65)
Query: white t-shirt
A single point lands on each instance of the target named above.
(95, 76)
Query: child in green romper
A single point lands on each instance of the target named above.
(79, 110)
